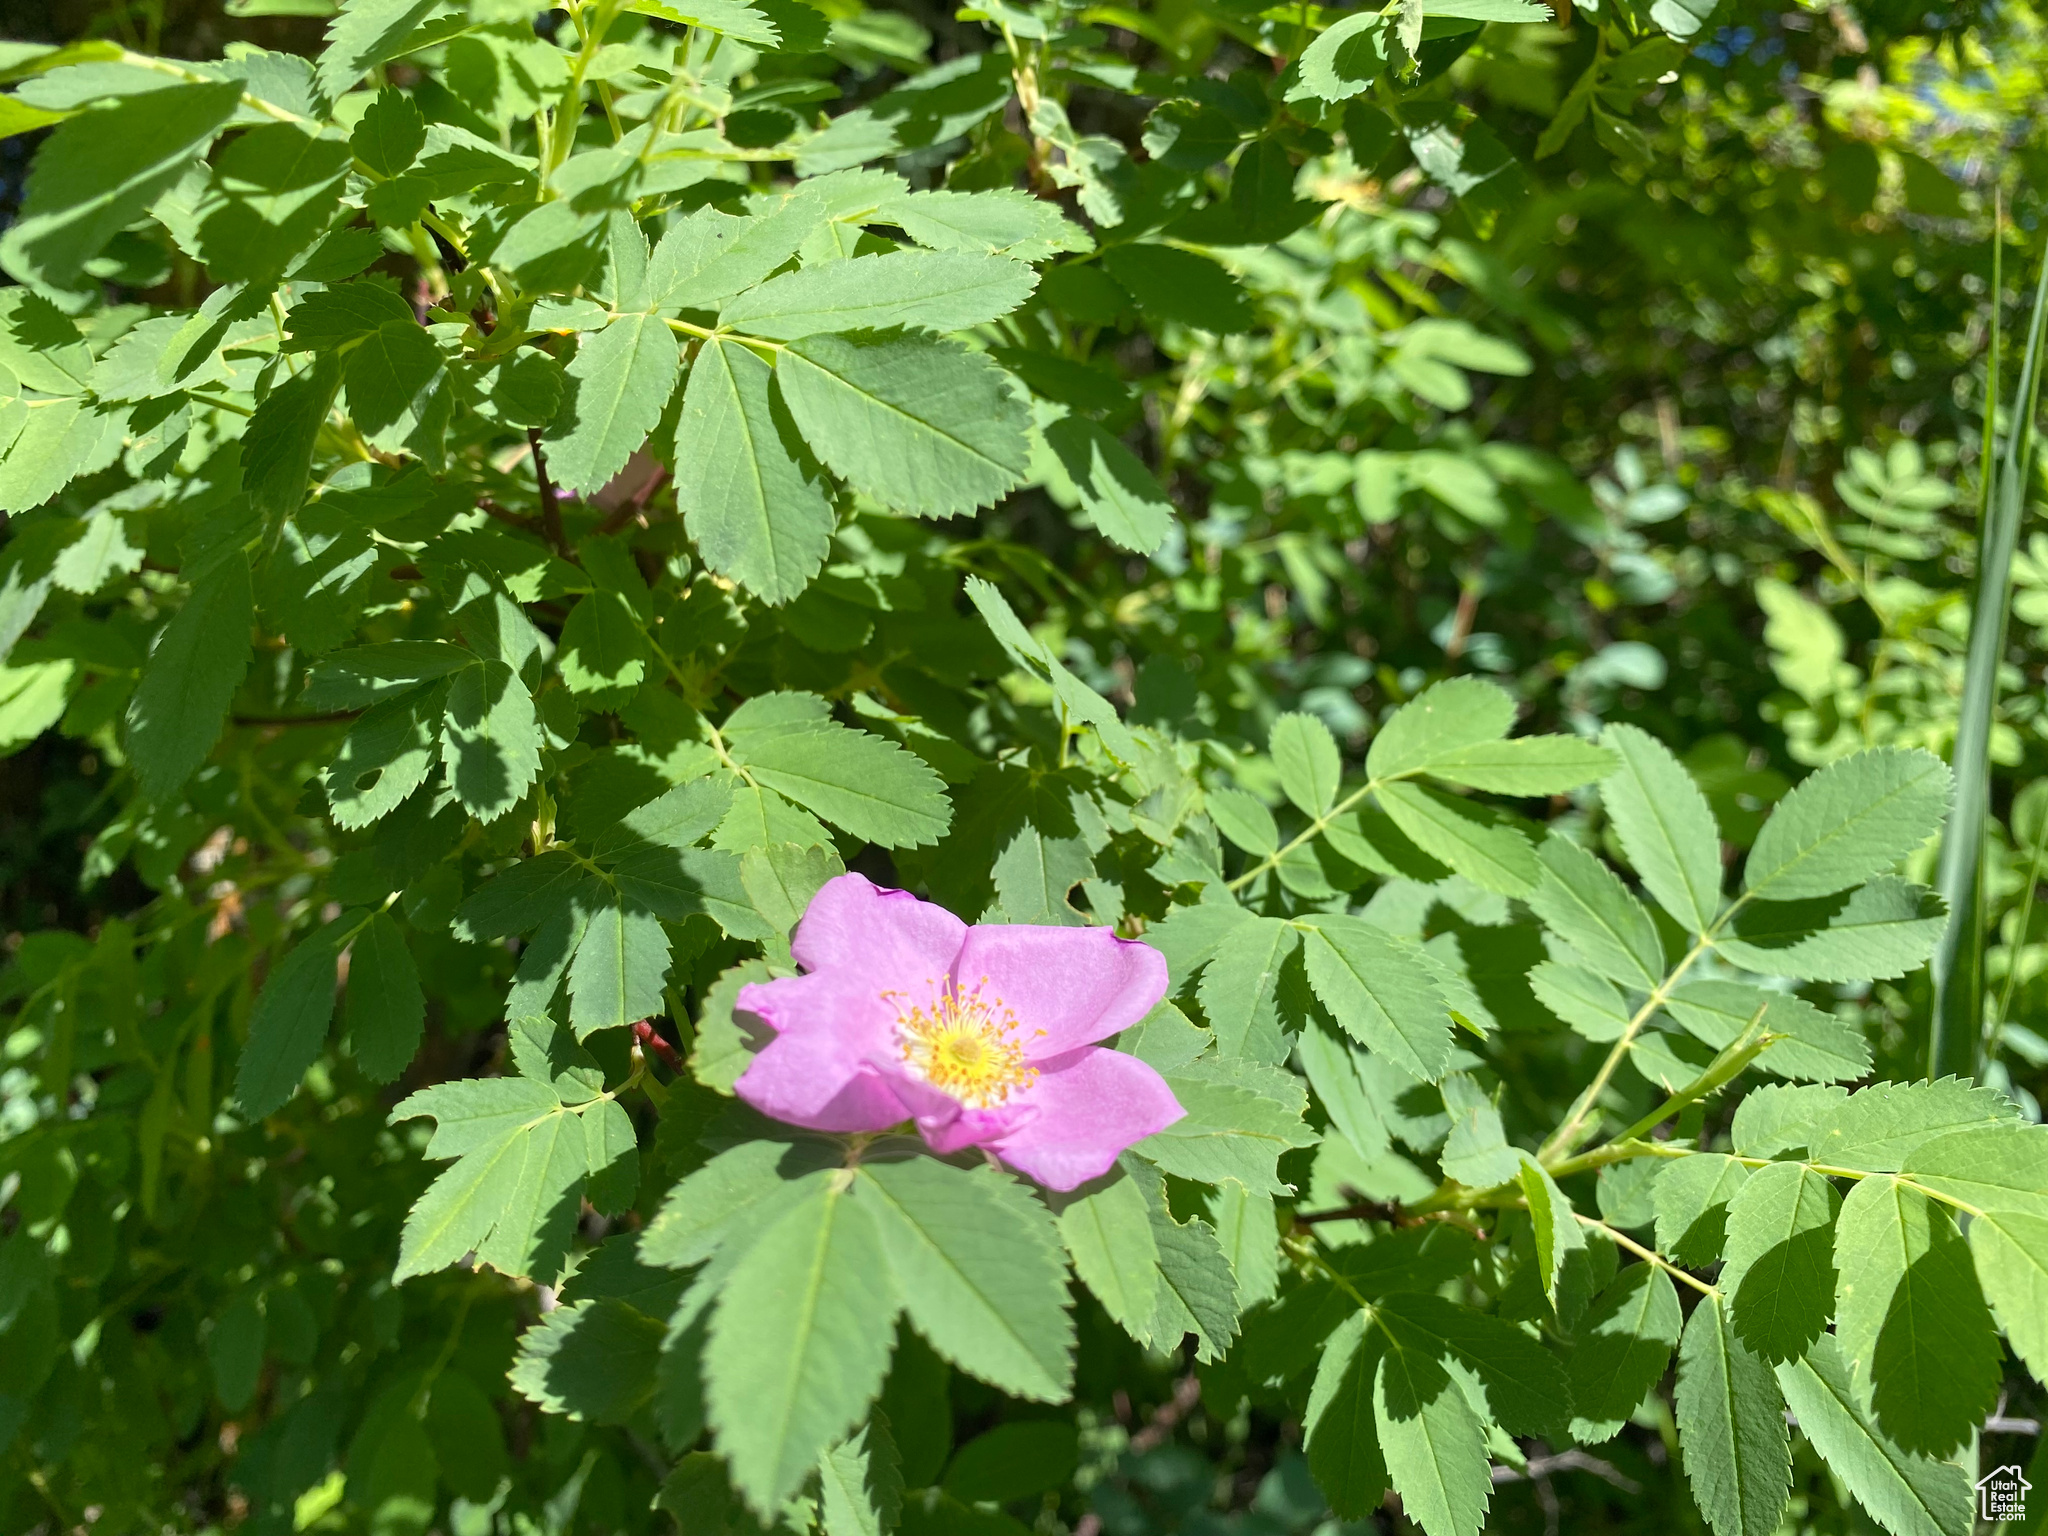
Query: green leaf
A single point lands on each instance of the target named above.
(1117, 492)
(1306, 756)
(1731, 1427)
(1378, 989)
(1582, 902)
(617, 975)
(1244, 819)
(871, 787)
(980, 1268)
(190, 678)
(1907, 1494)
(269, 194)
(1817, 1046)
(1196, 1291)
(1242, 987)
(2010, 1248)
(925, 290)
(1665, 825)
(1524, 765)
(1692, 1196)
(386, 1013)
(781, 878)
(397, 382)
(1434, 1444)
(1779, 1265)
(520, 897)
(1108, 1233)
(751, 503)
(1244, 1223)
(1878, 1128)
(1882, 929)
(331, 317)
(602, 645)
(1339, 1428)
(1468, 836)
(1444, 719)
(277, 446)
(1346, 59)
(1778, 1118)
(288, 1025)
(593, 1361)
(921, 425)
(1912, 1324)
(1624, 1345)
(1172, 284)
(98, 172)
(860, 1482)
(1476, 1151)
(1241, 1118)
(1557, 1229)
(491, 743)
(1591, 1004)
(512, 1196)
(800, 1340)
(390, 133)
(1507, 1375)
(1333, 1066)
(622, 378)
(1003, 221)
(1855, 818)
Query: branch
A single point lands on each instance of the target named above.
(550, 507)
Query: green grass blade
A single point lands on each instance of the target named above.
(1956, 1027)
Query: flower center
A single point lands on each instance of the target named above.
(961, 1042)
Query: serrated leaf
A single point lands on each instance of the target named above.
(1447, 717)
(860, 1482)
(1118, 493)
(1779, 1265)
(1624, 1344)
(620, 965)
(390, 133)
(100, 170)
(1507, 1375)
(385, 1012)
(1465, 835)
(1912, 1324)
(593, 1361)
(491, 741)
(601, 645)
(920, 425)
(1305, 753)
(1855, 818)
(1731, 1427)
(1341, 1434)
(1332, 1064)
(1778, 1118)
(1241, 986)
(1556, 1228)
(623, 376)
(1692, 1196)
(979, 1264)
(190, 678)
(1817, 1046)
(1433, 1443)
(1881, 1126)
(1882, 929)
(1907, 1494)
(871, 787)
(755, 510)
(1665, 825)
(1591, 1004)
(1379, 990)
(800, 1341)
(1524, 765)
(1582, 902)
(1240, 1119)
(925, 290)
(1108, 1233)
(288, 1025)
(1244, 1223)
(1196, 1292)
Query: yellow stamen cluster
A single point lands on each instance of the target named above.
(961, 1042)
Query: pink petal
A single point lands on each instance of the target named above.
(1091, 1105)
(822, 1070)
(1068, 987)
(854, 924)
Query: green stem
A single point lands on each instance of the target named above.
(1621, 1239)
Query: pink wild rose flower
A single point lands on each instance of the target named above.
(985, 1036)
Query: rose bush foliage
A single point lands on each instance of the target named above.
(547, 534)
